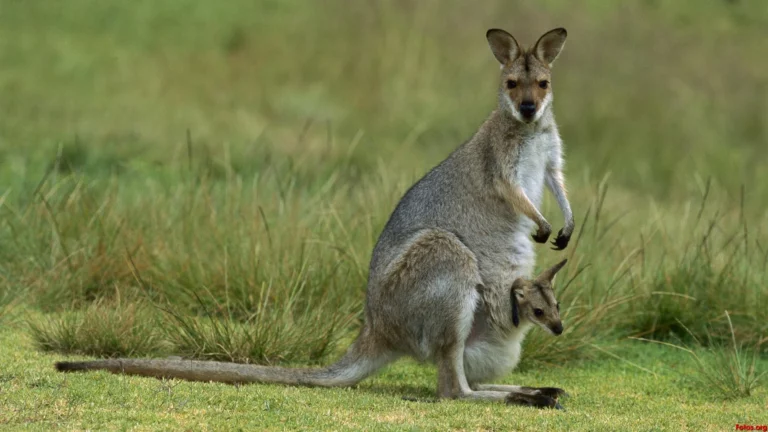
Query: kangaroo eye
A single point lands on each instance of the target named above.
(538, 312)
(543, 84)
(511, 84)
(558, 306)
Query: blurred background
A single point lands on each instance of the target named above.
(236, 161)
(655, 92)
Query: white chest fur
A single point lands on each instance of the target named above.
(533, 153)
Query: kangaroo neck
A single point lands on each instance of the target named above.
(504, 130)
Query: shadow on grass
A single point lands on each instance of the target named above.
(397, 390)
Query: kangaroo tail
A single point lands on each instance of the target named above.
(359, 362)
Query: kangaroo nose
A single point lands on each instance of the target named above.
(557, 328)
(527, 109)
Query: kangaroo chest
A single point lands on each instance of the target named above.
(530, 158)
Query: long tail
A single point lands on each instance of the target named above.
(359, 362)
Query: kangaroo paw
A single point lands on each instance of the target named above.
(553, 392)
(532, 400)
(542, 235)
(561, 241)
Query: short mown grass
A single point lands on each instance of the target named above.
(608, 394)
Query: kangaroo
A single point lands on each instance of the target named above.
(450, 276)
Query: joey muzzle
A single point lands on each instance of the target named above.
(557, 328)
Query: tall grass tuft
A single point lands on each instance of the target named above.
(710, 261)
(103, 329)
(242, 278)
(266, 337)
(729, 370)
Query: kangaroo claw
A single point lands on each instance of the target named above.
(561, 241)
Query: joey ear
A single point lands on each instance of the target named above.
(517, 288)
(548, 275)
(515, 310)
(549, 45)
(504, 47)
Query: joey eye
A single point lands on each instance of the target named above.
(511, 84)
(538, 312)
(544, 84)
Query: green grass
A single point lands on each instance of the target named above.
(184, 177)
(730, 369)
(108, 330)
(605, 395)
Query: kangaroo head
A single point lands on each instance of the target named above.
(534, 300)
(525, 90)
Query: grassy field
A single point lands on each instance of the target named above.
(604, 396)
(180, 177)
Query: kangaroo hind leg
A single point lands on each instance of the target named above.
(437, 279)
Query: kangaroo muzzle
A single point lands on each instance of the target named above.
(528, 109)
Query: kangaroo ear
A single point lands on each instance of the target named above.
(549, 45)
(504, 47)
(517, 288)
(548, 275)
(515, 310)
